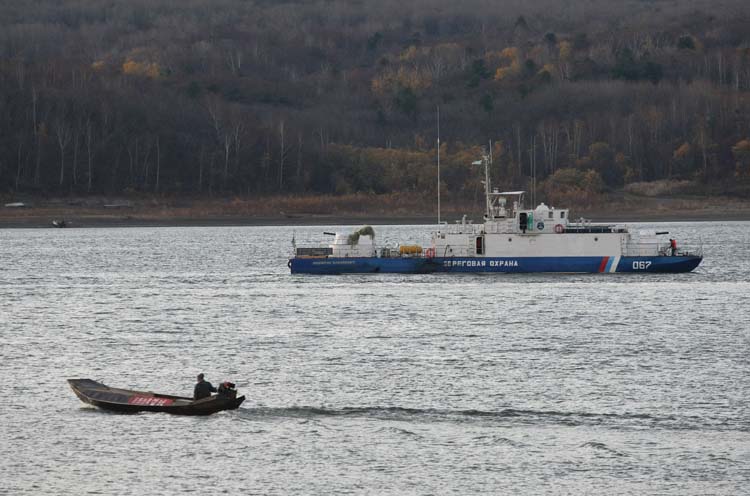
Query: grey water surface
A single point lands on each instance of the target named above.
(370, 384)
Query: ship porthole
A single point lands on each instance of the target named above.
(510, 239)
(596, 239)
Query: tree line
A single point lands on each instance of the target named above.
(258, 97)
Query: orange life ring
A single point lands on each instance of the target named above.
(559, 229)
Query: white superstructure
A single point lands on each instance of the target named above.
(510, 230)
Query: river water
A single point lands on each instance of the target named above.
(370, 384)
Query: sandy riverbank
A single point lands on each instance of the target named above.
(40, 214)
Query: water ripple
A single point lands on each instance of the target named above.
(426, 384)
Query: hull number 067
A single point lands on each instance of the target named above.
(641, 265)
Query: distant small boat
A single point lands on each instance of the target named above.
(59, 223)
(119, 205)
(128, 401)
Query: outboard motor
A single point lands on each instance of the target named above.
(227, 389)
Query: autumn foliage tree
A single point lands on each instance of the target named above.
(248, 98)
(573, 187)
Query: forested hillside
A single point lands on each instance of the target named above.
(255, 97)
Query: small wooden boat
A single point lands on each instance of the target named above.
(127, 401)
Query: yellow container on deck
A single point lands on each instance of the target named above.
(410, 250)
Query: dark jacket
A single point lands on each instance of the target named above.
(203, 389)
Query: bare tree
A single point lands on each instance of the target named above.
(63, 134)
(89, 131)
(549, 132)
(299, 160)
(19, 164)
(237, 130)
(158, 164)
(39, 131)
(76, 131)
(282, 154)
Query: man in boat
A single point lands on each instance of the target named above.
(673, 246)
(203, 388)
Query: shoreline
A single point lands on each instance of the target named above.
(39, 220)
(94, 212)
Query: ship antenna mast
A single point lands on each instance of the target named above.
(438, 163)
(487, 187)
(486, 161)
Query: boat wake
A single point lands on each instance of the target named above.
(507, 416)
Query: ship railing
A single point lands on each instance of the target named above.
(642, 249)
(313, 251)
(690, 250)
(684, 250)
(594, 229)
(460, 228)
(659, 249)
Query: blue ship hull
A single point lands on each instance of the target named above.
(422, 265)
(362, 265)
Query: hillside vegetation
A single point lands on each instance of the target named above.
(257, 97)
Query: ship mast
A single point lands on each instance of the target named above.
(438, 163)
(487, 186)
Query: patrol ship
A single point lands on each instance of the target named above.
(512, 239)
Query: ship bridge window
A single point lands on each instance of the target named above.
(551, 214)
(480, 245)
(562, 214)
